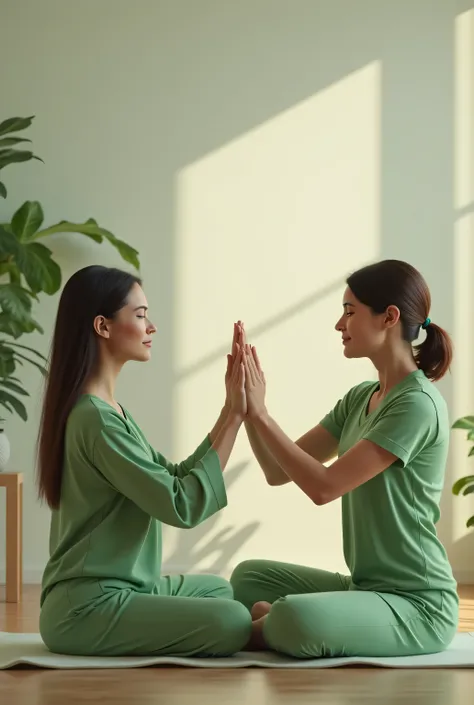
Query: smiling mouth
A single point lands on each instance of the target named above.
(148, 343)
(345, 340)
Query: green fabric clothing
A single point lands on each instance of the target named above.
(389, 522)
(318, 614)
(400, 598)
(116, 492)
(191, 615)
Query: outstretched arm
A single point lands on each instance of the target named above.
(124, 462)
(319, 483)
(272, 470)
(317, 442)
(224, 421)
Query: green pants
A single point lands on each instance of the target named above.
(320, 614)
(192, 615)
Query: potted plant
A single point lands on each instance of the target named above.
(27, 270)
(465, 485)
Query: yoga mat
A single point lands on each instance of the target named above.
(28, 649)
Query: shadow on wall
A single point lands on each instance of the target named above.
(195, 549)
(415, 47)
(253, 333)
(466, 210)
(207, 548)
(253, 60)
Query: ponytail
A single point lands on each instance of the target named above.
(433, 356)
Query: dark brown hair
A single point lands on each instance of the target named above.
(396, 283)
(90, 292)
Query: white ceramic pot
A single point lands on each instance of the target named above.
(4, 450)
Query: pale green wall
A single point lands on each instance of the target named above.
(254, 152)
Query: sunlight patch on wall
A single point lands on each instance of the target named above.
(464, 110)
(267, 228)
(278, 213)
(463, 374)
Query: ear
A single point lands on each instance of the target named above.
(101, 326)
(392, 316)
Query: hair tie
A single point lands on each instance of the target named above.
(426, 323)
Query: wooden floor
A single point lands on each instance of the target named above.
(234, 686)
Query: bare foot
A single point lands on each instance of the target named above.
(257, 641)
(259, 610)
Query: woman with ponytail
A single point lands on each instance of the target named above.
(389, 442)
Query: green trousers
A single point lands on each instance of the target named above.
(320, 614)
(192, 615)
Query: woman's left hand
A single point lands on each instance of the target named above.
(237, 342)
(255, 385)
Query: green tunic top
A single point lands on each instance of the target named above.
(389, 522)
(116, 493)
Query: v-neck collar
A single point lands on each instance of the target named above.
(366, 414)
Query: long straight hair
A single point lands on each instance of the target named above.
(90, 292)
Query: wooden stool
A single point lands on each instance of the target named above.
(13, 482)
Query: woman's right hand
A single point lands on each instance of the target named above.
(237, 395)
(238, 340)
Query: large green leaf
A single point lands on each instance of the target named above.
(9, 245)
(13, 156)
(31, 350)
(32, 259)
(27, 220)
(10, 357)
(15, 328)
(3, 190)
(470, 522)
(41, 272)
(19, 407)
(13, 386)
(15, 124)
(92, 230)
(463, 482)
(89, 228)
(127, 252)
(466, 422)
(11, 141)
(19, 357)
(15, 300)
(7, 361)
(7, 406)
(15, 314)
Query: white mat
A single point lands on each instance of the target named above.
(29, 650)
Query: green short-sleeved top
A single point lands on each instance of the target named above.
(116, 492)
(389, 523)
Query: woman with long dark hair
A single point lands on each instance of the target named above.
(389, 442)
(110, 491)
